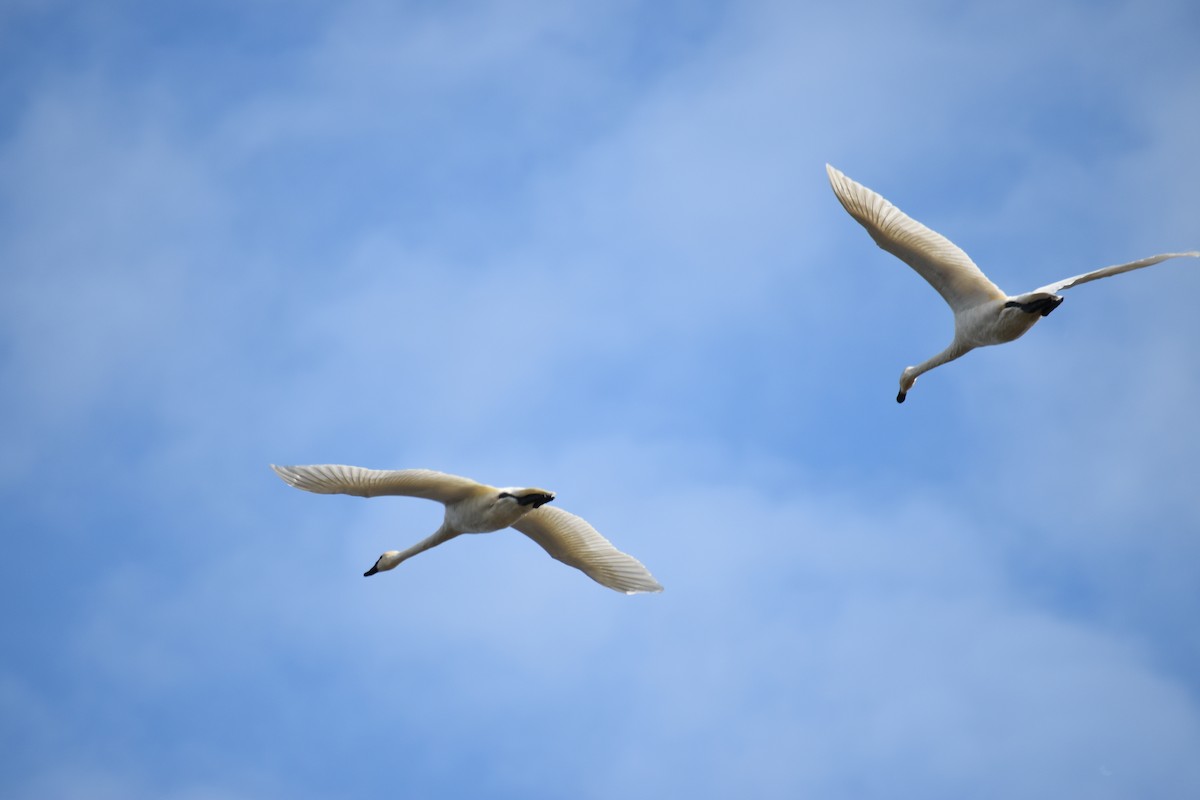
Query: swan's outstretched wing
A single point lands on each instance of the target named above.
(1117, 269)
(362, 482)
(935, 258)
(574, 542)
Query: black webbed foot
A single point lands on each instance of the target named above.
(1043, 305)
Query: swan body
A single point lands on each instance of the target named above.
(473, 507)
(983, 315)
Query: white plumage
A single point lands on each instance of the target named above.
(473, 507)
(983, 315)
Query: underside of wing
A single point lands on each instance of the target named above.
(1116, 269)
(935, 258)
(573, 541)
(362, 482)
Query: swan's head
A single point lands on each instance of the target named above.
(529, 498)
(907, 379)
(389, 560)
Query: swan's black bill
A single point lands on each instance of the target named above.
(900, 397)
(372, 570)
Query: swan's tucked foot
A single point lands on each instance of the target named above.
(533, 498)
(1043, 305)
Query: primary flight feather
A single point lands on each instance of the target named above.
(473, 507)
(983, 315)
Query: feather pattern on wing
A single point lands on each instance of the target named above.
(362, 482)
(939, 261)
(574, 542)
(1116, 269)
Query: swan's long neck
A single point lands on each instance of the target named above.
(443, 534)
(955, 350)
(910, 374)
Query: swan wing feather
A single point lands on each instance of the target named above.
(935, 258)
(571, 540)
(1116, 269)
(362, 482)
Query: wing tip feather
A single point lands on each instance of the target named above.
(657, 588)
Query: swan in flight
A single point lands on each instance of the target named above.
(983, 315)
(473, 507)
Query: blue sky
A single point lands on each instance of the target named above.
(592, 247)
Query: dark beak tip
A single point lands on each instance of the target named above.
(900, 397)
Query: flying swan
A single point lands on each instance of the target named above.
(473, 507)
(983, 315)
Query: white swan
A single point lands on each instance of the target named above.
(473, 507)
(983, 315)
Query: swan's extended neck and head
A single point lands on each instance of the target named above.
(910, 374)
(394, 558)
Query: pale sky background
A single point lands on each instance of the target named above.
(592, 247)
